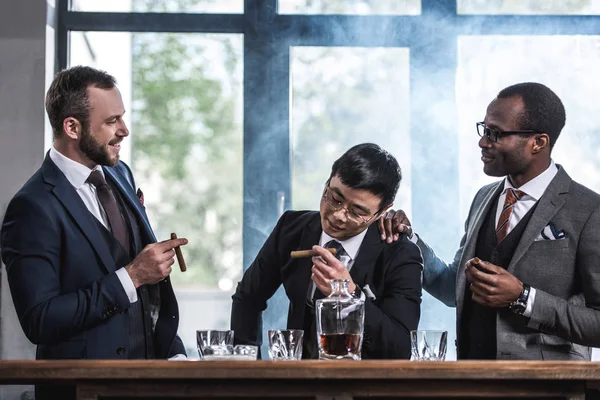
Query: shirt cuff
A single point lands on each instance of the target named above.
(413, 237)
(530, 300)
(128, 285)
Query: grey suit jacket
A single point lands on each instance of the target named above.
(565, 319)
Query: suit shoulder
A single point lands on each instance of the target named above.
(123, 170)
(404, 248)
(585, 194)
(33, 191)
(296, 220)
(487, 189)
(299, 216)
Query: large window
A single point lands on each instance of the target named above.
(238, 108)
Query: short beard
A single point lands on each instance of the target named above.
(95, 151)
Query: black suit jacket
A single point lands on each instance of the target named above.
(392, 271)
(62, 277)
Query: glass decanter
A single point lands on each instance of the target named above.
(340, 323)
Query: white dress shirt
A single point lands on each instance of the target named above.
(533, 191)
(351, 248)
(77, 175)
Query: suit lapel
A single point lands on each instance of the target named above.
(472, 233)
(127, 193)
(85, 221)
(370, 250)
(548, 205)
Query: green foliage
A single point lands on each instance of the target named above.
(187, 151)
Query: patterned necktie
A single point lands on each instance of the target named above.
(512, 196)
(111, 208)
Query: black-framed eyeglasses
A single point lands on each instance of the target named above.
(494, 134)
(337, 205)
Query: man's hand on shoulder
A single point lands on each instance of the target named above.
(392, 224)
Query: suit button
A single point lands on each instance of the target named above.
(123, 312)
(121, 351)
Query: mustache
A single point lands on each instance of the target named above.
(115, 141)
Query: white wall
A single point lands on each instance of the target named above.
(22, 89)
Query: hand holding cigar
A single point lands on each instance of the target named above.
(179, 255)
(310, 253)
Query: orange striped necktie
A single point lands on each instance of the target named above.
(512, 196)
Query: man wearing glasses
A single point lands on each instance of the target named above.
(362, 185)
(525, 278)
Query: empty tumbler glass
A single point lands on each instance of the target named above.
(428, 345)
(285, 344)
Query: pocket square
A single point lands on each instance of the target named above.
(551, 232)
(368, 292)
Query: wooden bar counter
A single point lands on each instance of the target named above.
(309, 379)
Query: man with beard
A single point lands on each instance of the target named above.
(525, 278)
(87, 277)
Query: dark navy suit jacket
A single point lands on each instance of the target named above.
(62, 277)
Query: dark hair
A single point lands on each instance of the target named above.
(68, 96)
(369, 167)
(543, 110)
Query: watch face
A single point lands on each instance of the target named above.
(518, 307)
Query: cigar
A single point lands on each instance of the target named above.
(179, 255)
(309, 253)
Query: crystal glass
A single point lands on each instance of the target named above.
(428, 345)
(213, 344)
(285, 344)
(340, 323)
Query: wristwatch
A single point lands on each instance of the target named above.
(520, 304)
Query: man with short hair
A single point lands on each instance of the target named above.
(87, 277)
(525, 278)
(362, 185)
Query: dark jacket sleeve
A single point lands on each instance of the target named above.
(31, 251)
(390, 318)
(260, 281)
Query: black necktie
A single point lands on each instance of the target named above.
(111, 208)
(339, 253)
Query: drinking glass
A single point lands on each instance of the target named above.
(285, 344)
(428, 345)
(214, 344)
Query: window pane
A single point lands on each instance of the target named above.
(342, 97)
(180, 6)
(543, 7)
(183, 95)
(357, 7)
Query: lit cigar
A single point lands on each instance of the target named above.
(179, 255)
(309, 253)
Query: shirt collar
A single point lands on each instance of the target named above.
(536, 187)
(75, 172)
(351, 246)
